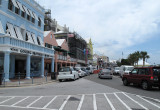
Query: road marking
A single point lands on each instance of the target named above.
(19, 101)
(135, 101)
(148, 101)
(111, 105)
(64, 103)
(81, 102)
(122, 102)
(34, 101)
(50, 102)
(7, 100)
(94, 102)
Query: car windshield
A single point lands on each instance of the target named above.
(66, 69)
(77, 69)
(116, 68)
(156, 71)
(128, 68)
(83, 69)
(87, 68)
(105, 70)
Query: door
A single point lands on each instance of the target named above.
(132, 77)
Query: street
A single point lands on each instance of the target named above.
(88, 93)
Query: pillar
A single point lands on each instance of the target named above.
(28, 66)
(42, 66)
(52, 65)
(12, 72)
(56, 66)
(6, 65)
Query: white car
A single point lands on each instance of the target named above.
(125, 69)
(105, 73)
(66, 73)
(81, 73)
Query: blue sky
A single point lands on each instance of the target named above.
(115, 26)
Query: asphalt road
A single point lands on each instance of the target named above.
(117, 83)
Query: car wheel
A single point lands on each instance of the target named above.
(125, 82)
(60, 80)
(145, 85)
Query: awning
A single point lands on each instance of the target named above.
(26, 10)
(59, 49)
(17, 29)
(35, 16)
(14, 3)
(31, 13)
(34, 38)
(20, 6)
(40, 40)
(29, 37)
(1, 28)
(11, 30)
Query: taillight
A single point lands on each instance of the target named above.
(71, 72)
(151, 78)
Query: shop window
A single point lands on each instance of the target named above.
(17, 10)
(10, 5)
(39, 22)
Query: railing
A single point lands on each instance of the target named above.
(24, 44)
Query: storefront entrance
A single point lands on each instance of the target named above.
(20, 67)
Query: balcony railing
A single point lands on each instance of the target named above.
(7, 40)
(62, 57)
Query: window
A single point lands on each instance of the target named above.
(0, 2)
(10, 5)
(28, 37)
(10, 30)
(33, 20)
(134, 71)
(18, 32)
(28, 17)
(39, 22)
(22, 14)
(142, 71)
(17, 10)
(38, 41)
(34, 38)
(51, 36)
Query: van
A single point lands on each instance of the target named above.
(125, 69)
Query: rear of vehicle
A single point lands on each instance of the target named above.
(116, 71)
(84, 70)
(80, 72)
(155, 77)
(66, 73)
(105, 73)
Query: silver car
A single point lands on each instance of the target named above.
(105, 73)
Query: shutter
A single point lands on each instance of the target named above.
(18, 32)
(1, 28)
(11, 30)
(20, 6)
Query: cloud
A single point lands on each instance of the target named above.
(113, 25)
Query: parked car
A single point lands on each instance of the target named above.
(144, 76)
(105, 73)
(67, 73)
(90, 69)
(125, 69)
(80, 72)
(86, 72)
(116, 71)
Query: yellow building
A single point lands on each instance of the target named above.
(90, 48)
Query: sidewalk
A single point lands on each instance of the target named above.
(27, 82)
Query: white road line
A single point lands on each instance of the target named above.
(135, 101)
(111, 105)
(122, 102)
(25, 107)
(50, 102)
(64, 103)
(148, 101)
(81, 102)
(7, 100)
(34, 101)
(94, 102)
(19, 101)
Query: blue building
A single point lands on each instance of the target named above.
(22, 50)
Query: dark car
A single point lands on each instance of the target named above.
(144, 76)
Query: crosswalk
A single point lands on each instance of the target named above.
(98, 101)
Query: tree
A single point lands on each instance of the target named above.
(125, 62)
(144, 55)
(132, 58)
(137, 56)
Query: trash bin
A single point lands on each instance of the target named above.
(53, 75)
(1, 79)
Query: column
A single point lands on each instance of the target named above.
(6, 65)
(28, 66)
(56, 66)
(52, 65)
(12, 72)
(42, 66)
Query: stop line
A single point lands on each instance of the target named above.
(98, 101)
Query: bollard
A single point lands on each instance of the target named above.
(32, 77)
(19, 78)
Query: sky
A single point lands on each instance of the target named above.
(115, 26)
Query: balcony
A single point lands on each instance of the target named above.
(62, 57)
(7, 41)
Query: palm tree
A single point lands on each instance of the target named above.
(144, 55)
(132, 58)
(137, 55)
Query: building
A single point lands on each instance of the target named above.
(60, 46)
(90, 51)
(22, 51)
